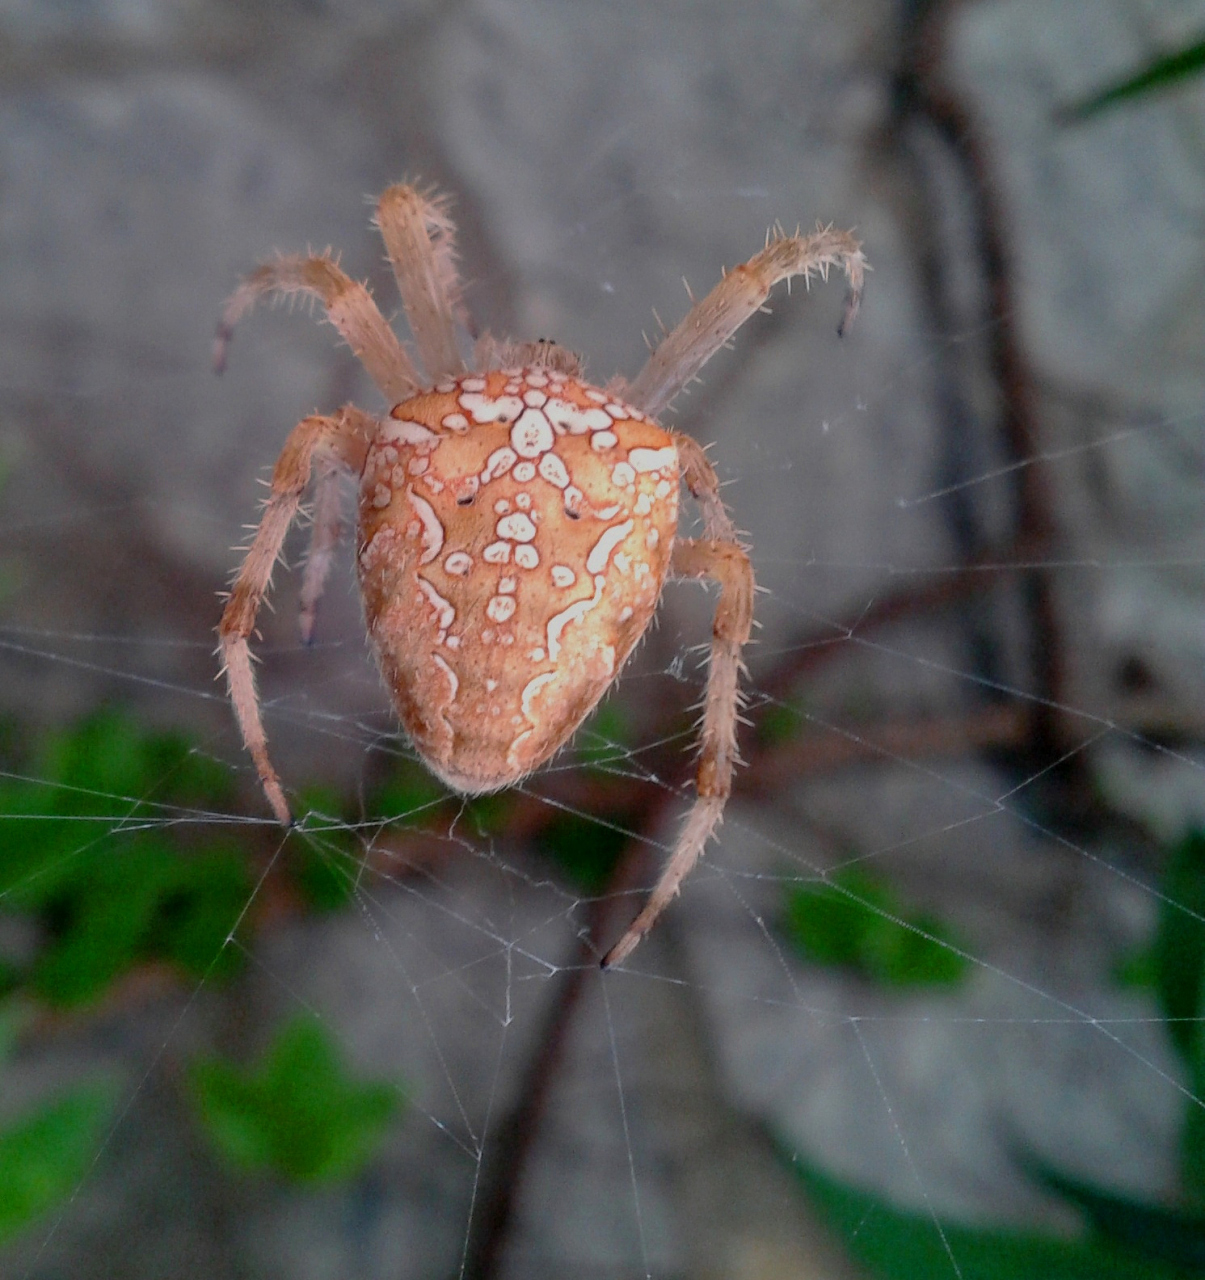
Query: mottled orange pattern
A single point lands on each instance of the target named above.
(510, 558)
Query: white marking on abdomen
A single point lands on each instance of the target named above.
(568, 417)
(558, 622)
(453, 679)
(532, 434)
(530, 689)
(600, 553)
(512, 753)
(498, 463)
(406, 432)
(516, 528)
(553, 470)
(458, 563)
(654, 459)
(447, 614)
(492, 408)
(433, 531)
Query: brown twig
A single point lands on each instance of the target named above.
(924, 96)
(502, 1174)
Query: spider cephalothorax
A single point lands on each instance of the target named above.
(516, 524)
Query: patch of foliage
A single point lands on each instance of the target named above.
(45, 1154)
(1173, 966)
(585, 848)
(296, 1113)
(603, 740)
(408, 794)
(1165, 72)
(780, 722)
(1124, 1236)
(855, 921)
(92, 852)
(324, 856)
(895, 1244)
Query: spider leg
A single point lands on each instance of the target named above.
(723, 561)
(420, 238)
(328, 527)
(710, 323)
(349, 307)
(704, 486)
(342, 439)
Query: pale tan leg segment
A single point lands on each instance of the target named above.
(342, 439)
(324, 538)
(710, 323)
(704, 486)
(349, 307)
(421, 240)
(724, 562)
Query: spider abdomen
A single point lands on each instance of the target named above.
(516, 529)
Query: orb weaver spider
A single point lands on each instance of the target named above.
(516, 523)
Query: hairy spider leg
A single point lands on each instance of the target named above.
(420, 238)
(327, 522)
(726, 563)
(349, 307)
(720, 556)
(704, 486)
(340, 440)
(710, 323)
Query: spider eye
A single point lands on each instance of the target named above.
(572, 514)
(465, 500)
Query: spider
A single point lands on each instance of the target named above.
(516, 523)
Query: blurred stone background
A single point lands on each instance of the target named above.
(1036, 316)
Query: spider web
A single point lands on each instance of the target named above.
(969, 684)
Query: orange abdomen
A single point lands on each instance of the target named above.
(515, 533)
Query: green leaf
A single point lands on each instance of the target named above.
(585, 848)
(490, 814)
(895, 1244)
(1192, 1135)
(1176, 961)
(1163, 73)
(44, 1157)
(409, 792)
(296, 1113)
(96, 930)
(602, 740)
(1179, 948)
(10, 977)
(1171, 1235)
(143, 900)
(1136, 971)
(324, 859)
(202, 896)
(10, 1022)
(855, 922)
(779, 722)
(110, 890)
